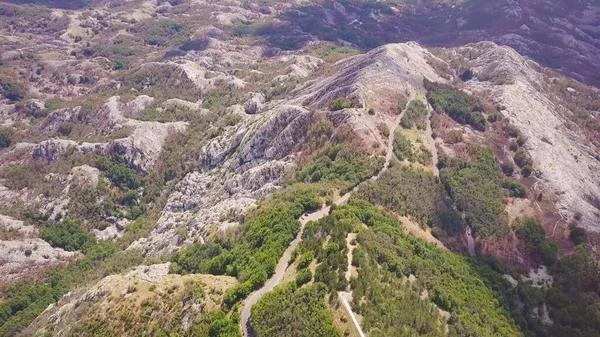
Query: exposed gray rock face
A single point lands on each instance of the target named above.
(176, 103)
(7, 114)
(215, 152)
(376, 79)
(57, 117)
(301, 66)
(285, 127)
(33, 106)
(260, 180)
(84, 176)
(53, 149)
(16, 228)
(140, 149)
(114, 113)
(567, 165)
(242, 165)
(115, 230)
(254, 103)
(22, 253)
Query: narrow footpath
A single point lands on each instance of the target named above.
(346, 296)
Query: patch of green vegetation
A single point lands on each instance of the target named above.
(163, 33)
(522, 158)
(577, 235)
(333, 53)
(25, 299)
(6, 137)
(12, 90)
(253, 255)
(462, 107)
(385, 256)
(574, 299)
(289, 311)
(340, 103)
(222, 97)
(403, 150)
(157, 314)
(415, 115)
(217, 325)
(120, 174)
(67, 235)
(515, 189)
(476, 188)
(532, 233)
(275, 33)
(28, 298)
(392, 307)
(278, 89)
(512, 131)
(414, 193)
(331, 258)
(303, 277)
(340, 164)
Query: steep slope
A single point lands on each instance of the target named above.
(144, 300)
(230, 142)
(529, 99)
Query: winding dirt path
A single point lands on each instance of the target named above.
(284, 261)
(282, 265)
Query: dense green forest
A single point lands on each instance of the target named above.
(476, 188)
(415, 115)
(252, 255)
(414, 193)
(288, 311)
(340, 164)
(385, 258)
(463, 108)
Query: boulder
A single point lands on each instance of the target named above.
(254, 103)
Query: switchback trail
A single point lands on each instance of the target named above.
(284, 261)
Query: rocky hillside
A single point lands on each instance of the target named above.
(193, 168)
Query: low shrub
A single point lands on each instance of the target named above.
(6, 135)
(577, 235)
(303, 277)
(67, 235)
(522, 158)
(526, 170)
(340, 103)
(507, 168)
(415, 115)
(512, 131)
(12, 90)
(515, 189)
(467, 75)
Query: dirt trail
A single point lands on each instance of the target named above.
(282, 265)
(346, 296)
(342, 296)
(284, 261)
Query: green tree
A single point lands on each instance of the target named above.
(288, 311)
